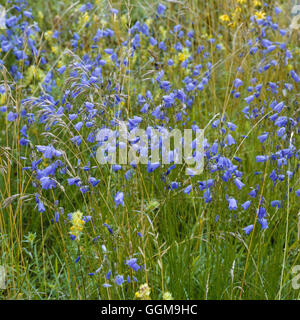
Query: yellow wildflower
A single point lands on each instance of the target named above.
(2, 98)
(77, 224)
(86, 17)
(241, 1)
(149, 22)
(124, 19)
(224, 18)
(260, 15)
(48, 35)
(236, 13)
(54, 49)
(163, 32)
(40, 15)
(167, 296)
(144, 292)
(183, 55)
(257, 3)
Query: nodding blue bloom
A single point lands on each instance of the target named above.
(140, 235)
(280, 132)
(62, 69)
(232, 204)
(188, 189)
(78, 125)
(174, 185)
(263, 137)
(281, 121)
(56, 216)
(231, 126)
(295, 76)
(114, 11)
(278, 108)
(263, 223)
(93, 181)
(152, 166)
(76, 140)
(152, 41)
(261, 158)
(84, 189)
(73, 116)
(116, 167)
(77, 259)
(162, 46)
(24, 142)
(289, 174)
(128, 174)
(24, 131)
(108, 228)
(119, 199)
(176, 28)
(261, 213)
(119, 280)
(178, 46)
(161, 9)
(277, 10)
(109, 51)
(239, 183)
(75, 181)
(131, 263)
(12, 116)
(237, 83)
(250, 99)
(49, 151)
(276, 203)
(41, 207)
(298, 193)
(230, 140)
(246, 205)
(47, 183)
(108, 275)
(106, 285)
(207, 196)
(248, 229)
(215, 123)
(214, 148)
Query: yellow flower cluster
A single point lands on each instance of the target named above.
(235, 16)
(233, 20)
(184, 55)
(144, 292)
(77, 224)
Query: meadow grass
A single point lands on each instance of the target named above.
(190, 246)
